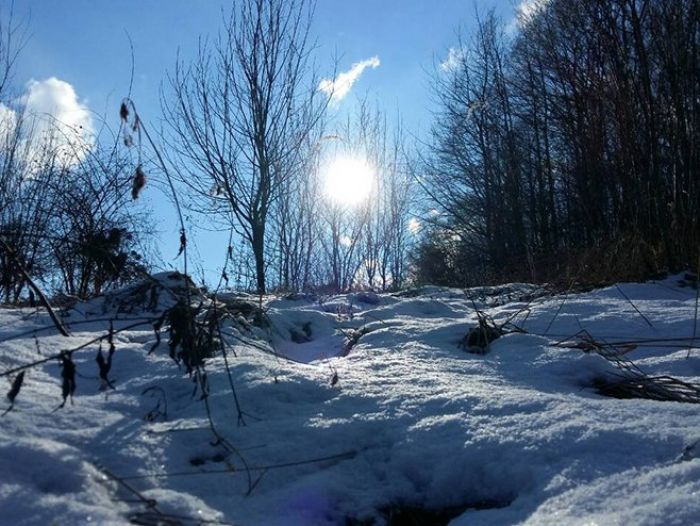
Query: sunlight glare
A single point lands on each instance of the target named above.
(348, 180)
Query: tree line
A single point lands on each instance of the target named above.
(570, 148)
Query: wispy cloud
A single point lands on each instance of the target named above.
(339, 87)
(455, 57)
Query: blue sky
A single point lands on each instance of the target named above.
(84, 43)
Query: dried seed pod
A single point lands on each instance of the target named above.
(103, 368)
(139, 182)
(183, 243)
(128, 140)
(103, 365)
(68, 375)
(124, 112)
(16, 386)
(156, 330)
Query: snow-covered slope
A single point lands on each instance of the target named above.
(400, 422)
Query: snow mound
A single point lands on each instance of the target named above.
(402, 424)
(151, 294)
(47, 482)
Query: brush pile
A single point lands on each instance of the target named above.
(478, 339)
(629, 381)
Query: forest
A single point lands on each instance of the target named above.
(570, 150)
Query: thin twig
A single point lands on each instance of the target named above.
(241, 413)
(69, 351)
(221, 440)
(42, 297)
(340, 456)
(32, 332)
(619, 289)
(561, 306)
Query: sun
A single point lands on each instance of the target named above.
(348, 180)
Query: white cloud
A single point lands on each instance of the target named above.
(455, 57)
(526, 10)
(339, 87)
(54, 119)
(8, 118)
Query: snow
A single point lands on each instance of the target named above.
(515, 436)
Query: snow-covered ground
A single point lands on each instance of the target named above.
(405, 419)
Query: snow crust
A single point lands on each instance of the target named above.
(515, 436)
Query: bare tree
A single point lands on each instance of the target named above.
(473, 167)
(571, 146)
(344, 230)
(296, 221)
(13, 37)
(94, 230)
(240, 112)
(27, 173)
(344, 226)
(385, 240)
